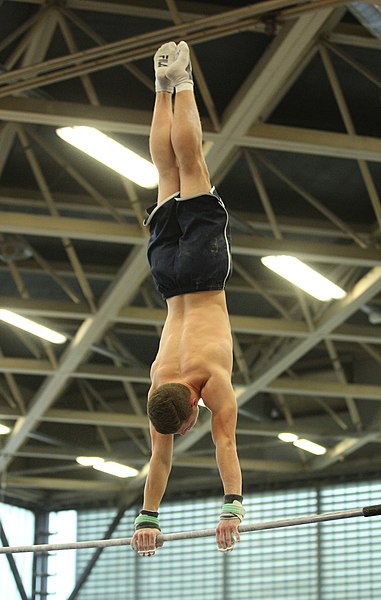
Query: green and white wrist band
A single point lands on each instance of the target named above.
(232, 510)
(147, 520)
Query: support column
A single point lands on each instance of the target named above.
(40, 560)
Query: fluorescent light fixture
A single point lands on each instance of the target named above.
(287, 437)
(106, 466)
(4, 430)
(307, 279)
(116, 469)
(310, 447)
(302, 443)
(88, 461)
(31, 327)
(112, 154)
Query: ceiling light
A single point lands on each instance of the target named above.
(287, 437)
(302, 443)
(31, 327)
(4, 430)
(114, 468)
(310, 446)
(106, 466)
(112, 154)
(88, 461)
(309, 280)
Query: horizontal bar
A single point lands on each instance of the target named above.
(367, 511)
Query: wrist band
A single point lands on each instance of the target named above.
(147, 521)
(232, 510)
(229, 498)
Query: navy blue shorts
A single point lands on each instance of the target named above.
(189, 244)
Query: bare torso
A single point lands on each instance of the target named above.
(196, 341)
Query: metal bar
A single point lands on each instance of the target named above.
(354, 64)
(366, 511)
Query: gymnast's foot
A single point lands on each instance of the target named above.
(163, 58)
(179, 73)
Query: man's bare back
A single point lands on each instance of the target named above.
(196, 341)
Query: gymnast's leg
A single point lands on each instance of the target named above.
(162, 152)
(186, 133)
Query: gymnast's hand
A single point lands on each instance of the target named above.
(145, 542)
(227, 534)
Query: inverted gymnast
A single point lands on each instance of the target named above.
(190, 260)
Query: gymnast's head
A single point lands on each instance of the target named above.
(172, 408)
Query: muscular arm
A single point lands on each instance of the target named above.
(159, 469)
(219, 397)
(144, 540)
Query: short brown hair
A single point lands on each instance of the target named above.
(169, 407)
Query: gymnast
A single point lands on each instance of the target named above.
(190, 260)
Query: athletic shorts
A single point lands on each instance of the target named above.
(189, 245)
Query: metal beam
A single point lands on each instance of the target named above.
(324, 389)
(50, 309)
(267, 80)
(62, 114)
(351, 34)
(80, 203)
(82, 417)
(134, 315)
(298, 387)
(139, 47)
(320, 427)
(315, 427)
(209, 462)
(150, 10)
(122, 291)
(341, 450)
(80, 229)
(310, 141)
(137, 122)
(123, 233)
(56, 483)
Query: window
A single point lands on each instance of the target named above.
(334, 559)
(63, 528)
(18, 525)
(278, 564)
